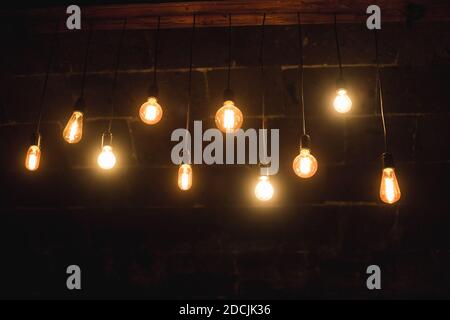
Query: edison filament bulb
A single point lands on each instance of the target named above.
(342, 102)
(389, 188)
(305, 164)
(185, 177)
(229, 118)
(73, 131)
(264, 190)
(151, 112)
(33, 157)
(106, 160)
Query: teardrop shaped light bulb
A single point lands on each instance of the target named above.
(264, 190)
(305, 164)
(33, 158)
(185, 177)
(73, 131)
(342, 102)
(229, 118)
(389, 189)
(151, 112)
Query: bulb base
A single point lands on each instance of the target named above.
(387, 160)
(35, 139)
(79, 105)
(107, 139)
(264, 168)
(305, 142)
(341, 83)
(153, 90)
(228, 94)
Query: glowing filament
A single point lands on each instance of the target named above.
(33, 158)
(389, 189)
(264, 190)
(342, 103)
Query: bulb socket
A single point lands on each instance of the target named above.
(387, 160)
(79, 105)
(264, 168)
(107, 139)
(305, 142)
(340, 83)
(228, 94)
(153, 90)
(35, 139)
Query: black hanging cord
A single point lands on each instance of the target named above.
(229, 51)
(155, 59)
(380, 91)
(338, 48)
(49, 67)
(261, 60)
(300, 73)
(86, 56)
(188, 111)
(113, 92)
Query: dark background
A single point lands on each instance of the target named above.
(135, 235)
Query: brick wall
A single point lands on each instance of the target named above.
(132, 231)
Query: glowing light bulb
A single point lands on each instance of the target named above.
(389, 189)
(305, 164)
(74, 129)
(229, 118)
(185, 177)
(151, 112)
(264, 189)
(33, 158)
(342, 103)
(106, 160)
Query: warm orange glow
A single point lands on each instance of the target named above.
(33, 158)
(264, 190)
(342, 103)
(106, 159)
(185, 177)
(229, 118)
(151, 112)
(305, 164)
(389, 189)
(74, 129)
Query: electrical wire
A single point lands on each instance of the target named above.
(300, 71)
(338, 48)
(380, 91)
(155, 59)
(116, 70)
(263, 101)
(53, 51)
(261, 60)
(229, 51)
(86, 56)
(188, 111)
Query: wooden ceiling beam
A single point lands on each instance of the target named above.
(245, 13)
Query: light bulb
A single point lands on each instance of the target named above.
(389, 189)
(305, 164)
(33, 158)
(185, 177)
(342, 103)
(74, 129)
(151, 112)
(229, 118)
(106, 159)
(264, 189)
